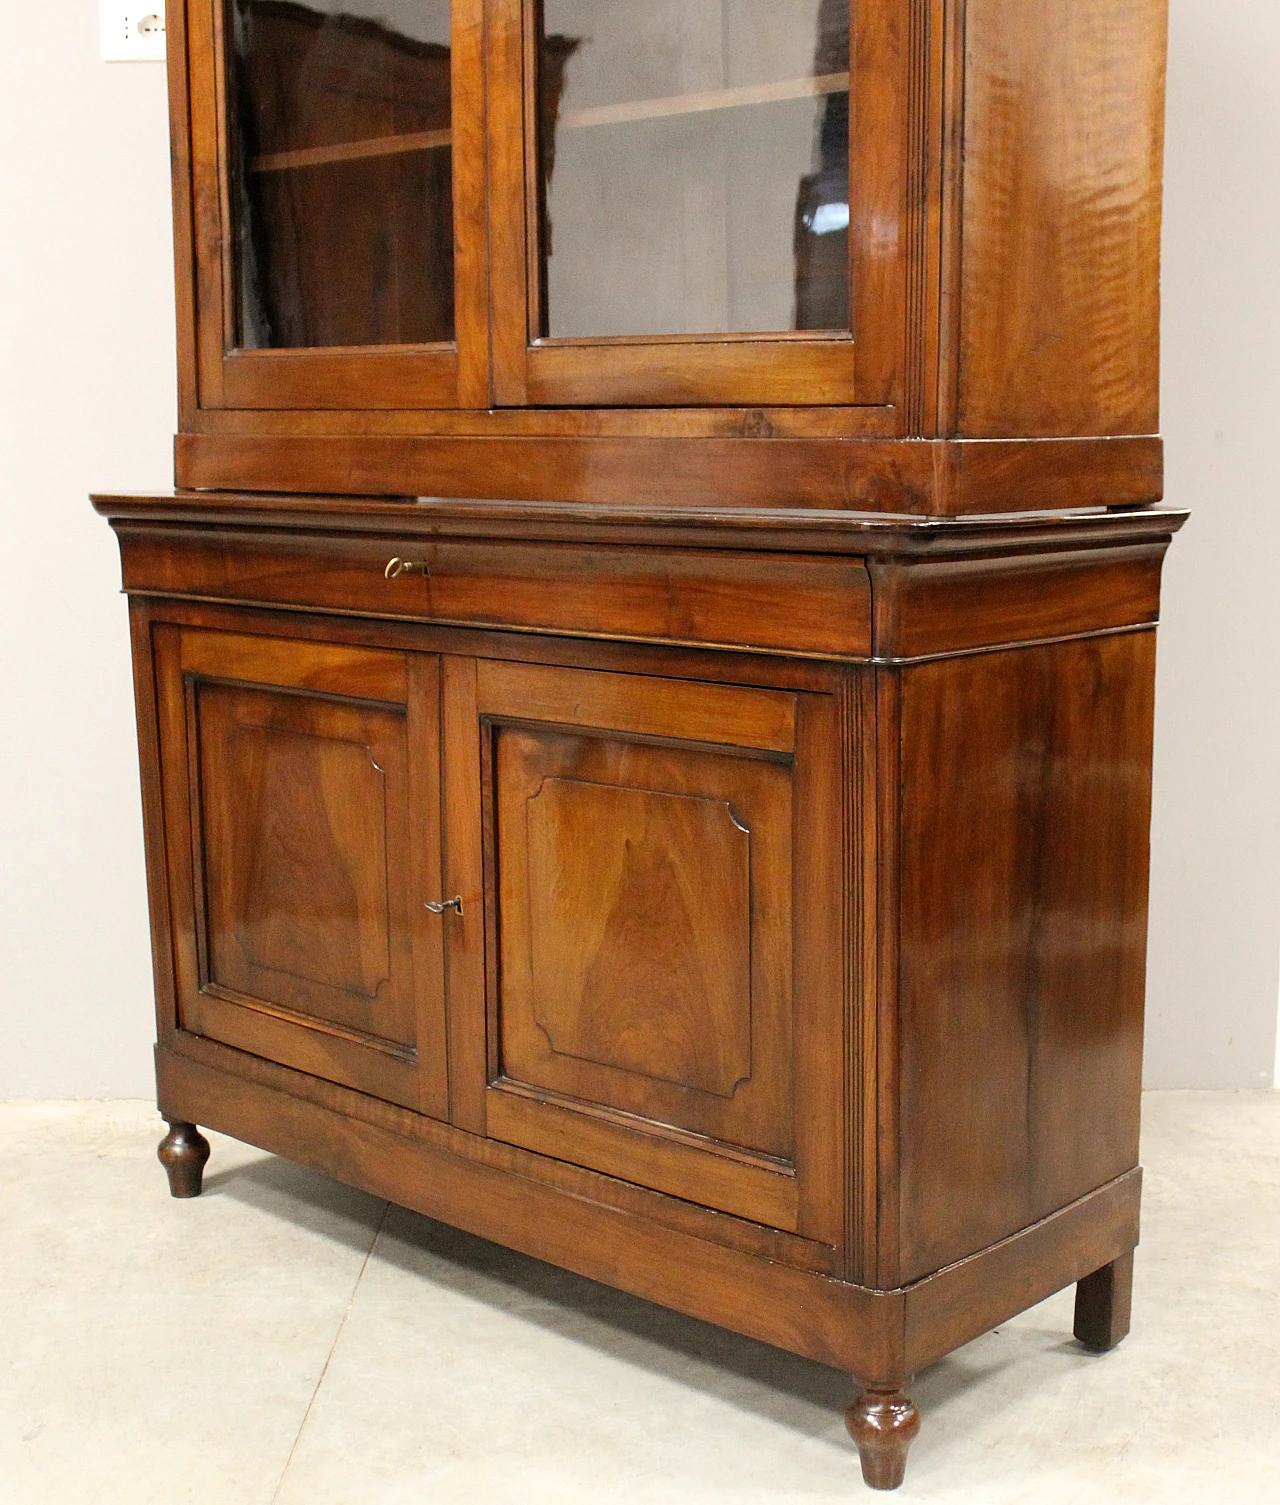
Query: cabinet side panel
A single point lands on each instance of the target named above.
(1063, 152)
(1024, 842)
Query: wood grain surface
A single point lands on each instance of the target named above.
(1025, 789)
(1063, 149)
(923, 478)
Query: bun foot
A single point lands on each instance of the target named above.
(183, 1152)
(884, 1424)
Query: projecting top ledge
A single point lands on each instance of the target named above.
(778, 530)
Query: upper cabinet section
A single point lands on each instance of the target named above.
(608, 220)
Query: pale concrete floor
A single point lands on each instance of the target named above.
(284, 1341)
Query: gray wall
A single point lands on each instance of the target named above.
(1215, 898)
(86, 401)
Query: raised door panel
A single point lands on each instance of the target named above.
(304, 872)
(626, 864)
(645, 908)
(304, 785)
(642, 858)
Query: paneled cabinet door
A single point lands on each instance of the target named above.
(302, 810)
(662, 996)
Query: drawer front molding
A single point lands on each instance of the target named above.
(775, 603)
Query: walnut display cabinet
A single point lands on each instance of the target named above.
(645, 677)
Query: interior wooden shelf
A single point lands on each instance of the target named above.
(710, 99)
(351, 151)
(620, 114)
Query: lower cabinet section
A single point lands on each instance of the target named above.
(801, 994)
(847, 958)
(581, 912)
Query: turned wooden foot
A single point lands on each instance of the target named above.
(183, 1152)
(884, 1424)
(1103, 1301)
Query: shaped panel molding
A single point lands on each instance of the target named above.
(304, 876)
(644, 931)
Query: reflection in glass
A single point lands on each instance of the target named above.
(695, 166)
(342, 175)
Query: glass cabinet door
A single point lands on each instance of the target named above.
(342, 166)
(686, 184)
(403, 205)
(348, 140)
(694, 167)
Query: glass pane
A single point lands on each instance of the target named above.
(695, 166)
(342, 171)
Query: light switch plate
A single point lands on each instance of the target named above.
(132, 31)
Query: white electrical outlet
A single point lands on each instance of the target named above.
(132, 31)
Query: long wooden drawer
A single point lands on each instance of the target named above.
(784, 603)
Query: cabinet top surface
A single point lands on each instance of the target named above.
(800, 530)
